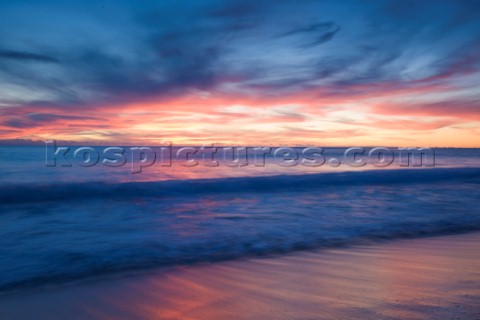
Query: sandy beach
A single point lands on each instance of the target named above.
(428, 278)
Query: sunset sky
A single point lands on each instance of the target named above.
(327, 73)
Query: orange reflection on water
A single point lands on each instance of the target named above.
(407, 279)
(414, 279)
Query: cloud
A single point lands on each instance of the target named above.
(8, 132)
(38, 119)
(214, 46)
(400, 124)
(461, 109)
(236, 10)
(319, 32)
(198, 57)
(319, 27)
(27, 56)
(325, 37)
(323, 134)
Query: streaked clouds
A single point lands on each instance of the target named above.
(244, 72)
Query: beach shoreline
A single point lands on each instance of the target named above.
(425, 278)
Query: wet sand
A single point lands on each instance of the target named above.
(428, 278)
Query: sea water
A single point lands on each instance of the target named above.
(60, 224)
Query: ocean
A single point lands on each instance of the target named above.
(68, 223)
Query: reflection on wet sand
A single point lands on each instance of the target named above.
(431, 278)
